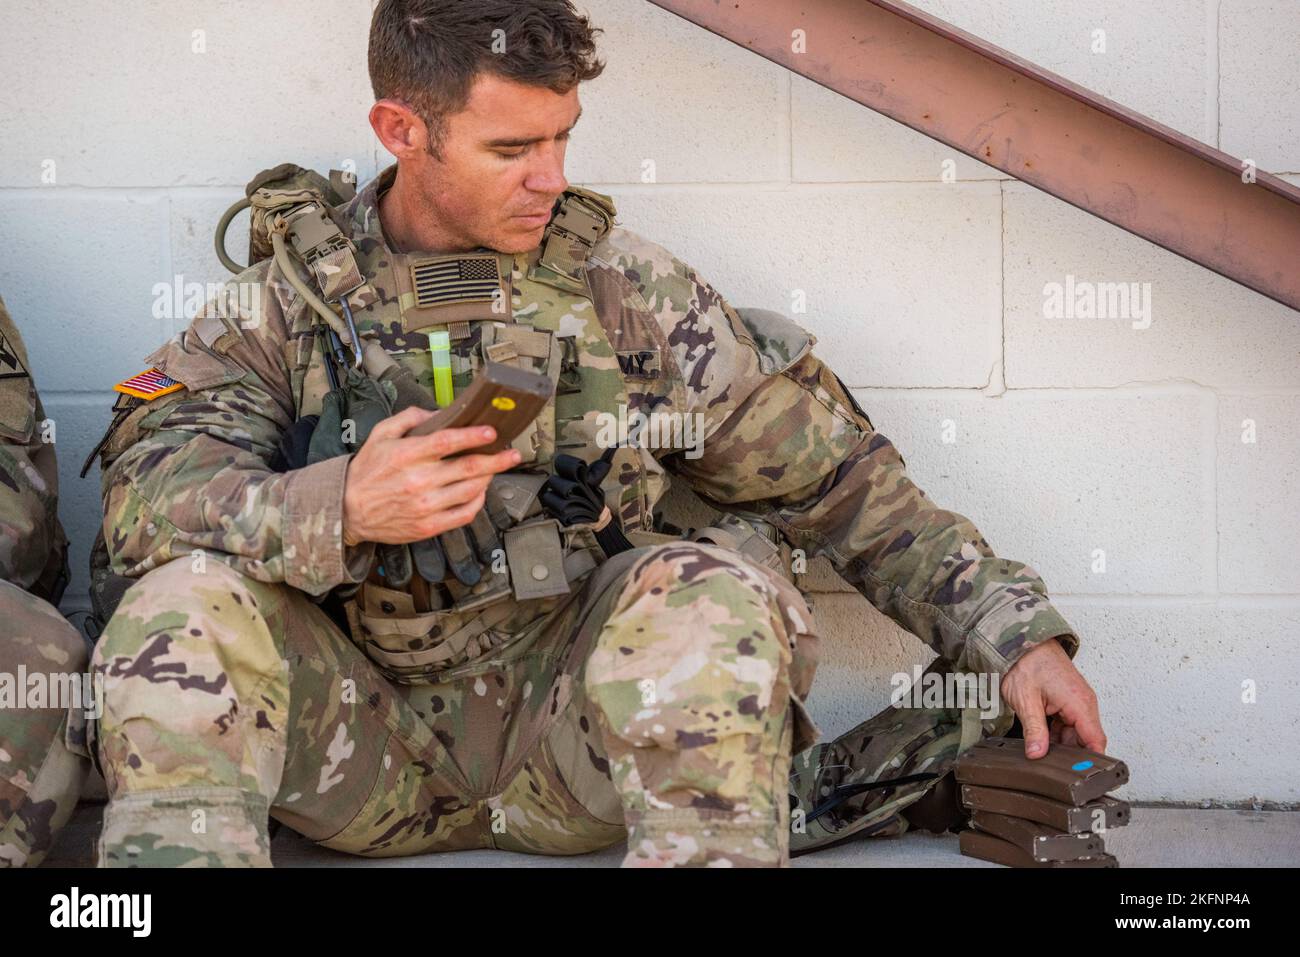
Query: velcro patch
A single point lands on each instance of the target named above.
(11, 364)
(640, 363)
(452, 279)
(444, 290)
(151, 384)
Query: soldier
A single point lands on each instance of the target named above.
(396, 648)
(42, 744)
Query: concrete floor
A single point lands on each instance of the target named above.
(1157, 837)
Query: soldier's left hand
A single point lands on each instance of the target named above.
(1045, 683)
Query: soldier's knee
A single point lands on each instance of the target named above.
(174, 630)
(700, 642)
(185, 586)
(37, 635)
(190, 664)
(701, 557)
(148, 596)
(682, 565)
(181, 581)
(691, 582)
(694, 625)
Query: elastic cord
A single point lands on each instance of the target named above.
(846, 791)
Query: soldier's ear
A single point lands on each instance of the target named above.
(400, 129)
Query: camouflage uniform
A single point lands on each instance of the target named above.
(569, 702)
(40, 776)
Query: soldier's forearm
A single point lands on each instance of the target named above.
(927, 568)
(30, 536)
(167, 501)
(836, 487)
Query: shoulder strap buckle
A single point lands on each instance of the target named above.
(302, 219)
(312, 232)
(582, 221)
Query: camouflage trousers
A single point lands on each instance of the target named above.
(658, 704)
(42, 767)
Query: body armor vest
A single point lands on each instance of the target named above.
(533, 310)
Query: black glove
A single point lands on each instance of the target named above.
(573, 495)
(295, 445)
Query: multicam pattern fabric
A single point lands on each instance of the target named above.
(40, 777)
(200, 704)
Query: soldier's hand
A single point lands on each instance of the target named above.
(403, 489)
(1045, 684)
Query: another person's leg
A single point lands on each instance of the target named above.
(40, 777)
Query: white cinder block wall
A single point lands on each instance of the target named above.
(125, 129)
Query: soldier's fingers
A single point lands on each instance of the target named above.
(453, 494)
(1054, 730)
(473, 465)
(457, 517)
(1034, 722)
(1079, 708)
(396, 426)
(1088, 727)
(1070, 737)
(445, 442)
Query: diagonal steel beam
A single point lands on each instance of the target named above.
(1091, 152)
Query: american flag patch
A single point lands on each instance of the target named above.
(451, 279)
(149, 385)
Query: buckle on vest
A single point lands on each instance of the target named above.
(582, 220)
(752, 537)
(330, 255)
(312, 233)
(570, 237)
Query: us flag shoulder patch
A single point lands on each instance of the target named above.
(149, 385)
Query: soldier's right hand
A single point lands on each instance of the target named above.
(403, 489)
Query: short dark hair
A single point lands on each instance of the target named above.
(427, 53)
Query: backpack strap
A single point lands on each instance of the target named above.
(301, 220)
(338, 189)
(304, 220)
